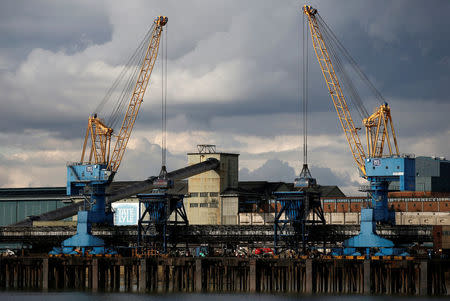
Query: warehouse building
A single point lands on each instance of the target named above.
(432, 174)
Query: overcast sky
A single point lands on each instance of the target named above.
(233, 81)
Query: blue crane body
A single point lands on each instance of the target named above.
(380, 173)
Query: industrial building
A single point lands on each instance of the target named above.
(432, 174)
(219, 198)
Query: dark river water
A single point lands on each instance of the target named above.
(79, 296)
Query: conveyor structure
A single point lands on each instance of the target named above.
(140, 187)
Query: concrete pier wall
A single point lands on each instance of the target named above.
(217, 274)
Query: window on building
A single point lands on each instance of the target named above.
(192, 205)
(193, 194)
(214, 205)
(214, 194)
(203, 205)
(203, 194)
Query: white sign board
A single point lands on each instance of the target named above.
(125, 214)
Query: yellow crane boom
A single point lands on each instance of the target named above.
(335, 90)
(379, 127)
(98, 134)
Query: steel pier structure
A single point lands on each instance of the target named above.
(222, 274)
(41, 238)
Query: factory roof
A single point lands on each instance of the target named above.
(265, 189)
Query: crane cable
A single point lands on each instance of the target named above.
(164, 100)
(341, 58)
(353, 63)
(124, 81)
(305, 90)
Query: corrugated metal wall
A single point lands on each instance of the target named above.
(14, 211)
(427, 167)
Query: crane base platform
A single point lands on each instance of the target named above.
(83, 242)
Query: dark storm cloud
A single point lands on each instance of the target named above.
(249, 34)
(326, 176)
(61, 125)
(51, 25)
(401, 49)
(275, 170)
(233, 72)
(145, 161)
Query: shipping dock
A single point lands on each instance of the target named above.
(264, 275)
(219, 250)
(200, 229)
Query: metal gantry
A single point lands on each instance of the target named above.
(161, 211)
(297, 209)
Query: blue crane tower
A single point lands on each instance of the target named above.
(380, 173)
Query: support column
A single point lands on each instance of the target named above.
(95, 275)
(171, 279)
(161, 273)
(143, 275)
(16, 276)
(309, 276)
(7, 279)
(252, 275)
(198, 275)
(423, 285)
(367, 273)
(45, 274)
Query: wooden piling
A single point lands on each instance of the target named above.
(367, 280)
(198, 275)
(423, 278)
(143, 275)
(309, 276)
(95, 275)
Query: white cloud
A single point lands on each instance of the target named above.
(233, 82)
